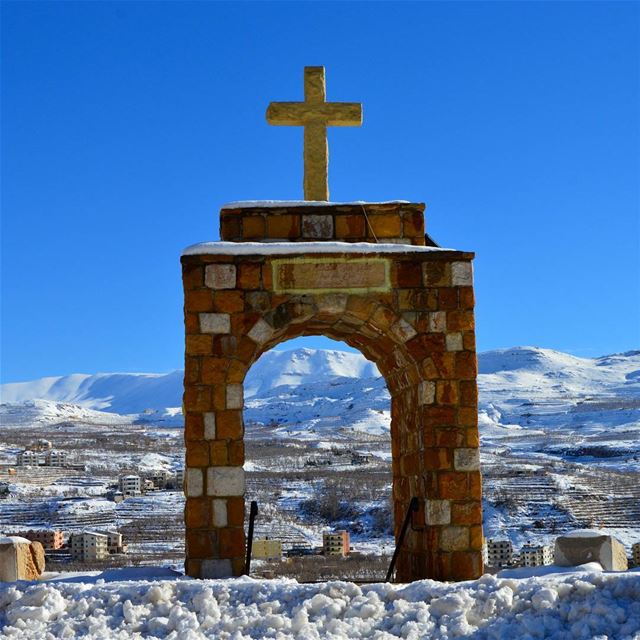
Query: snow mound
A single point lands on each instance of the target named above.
(577, 605)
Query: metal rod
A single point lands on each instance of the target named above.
(413, 506)
(253, 512)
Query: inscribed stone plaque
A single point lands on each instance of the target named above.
(323, 275)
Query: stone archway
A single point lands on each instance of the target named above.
(408, 308)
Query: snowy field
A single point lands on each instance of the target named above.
(124, 604)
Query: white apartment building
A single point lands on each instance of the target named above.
(179, 478)
(89, 545)
(54, 458)
(499, 553)
(28, 458)
(159, 477)
(536, 555)
(130, 485)
(114, 541)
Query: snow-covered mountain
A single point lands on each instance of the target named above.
(305, 367)
(545, 373)
(310, 391)
(123, 393)
(131, 393)
(515, 375)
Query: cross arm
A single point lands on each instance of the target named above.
(332, 114)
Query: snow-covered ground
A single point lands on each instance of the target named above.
(583, 603)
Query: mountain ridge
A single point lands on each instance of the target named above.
(517, 371)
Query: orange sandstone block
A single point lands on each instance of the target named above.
(466, 367)
(476, 538)
(228, 300)
(387, 225)
(213, 370)
(460, 321)
(284, 226)
(473, 437)
(447, 298)
(350, 227)
(219, 393)
(466, 513)
(197, 512)
(191, 323)
(466, 297)
(192, 276)
(446, 392)
(236, 372)
(468, 393)
(235, 511)
(437, 416)
(436, 274)
(231, 542)
(229, 424)
(361, 307)
(236, 453)
(198, 345)
(453, 485)
(450, 436)
(197, 399)
(267, 276)
(200, 544)
(467, 417)
(198, 300)
(245, 350)
(407, 275)
(230, 228)
(469, 340)
(218, 453)
(445, 362)
(410, 464)
(383, 318)
(413, 225)
(253, 227)
(193, 427)
(249, 275)
(438, 458)
(197, 454)
(192, 370)
(475, 485)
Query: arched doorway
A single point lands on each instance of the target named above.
(408, 309)
(318, 462)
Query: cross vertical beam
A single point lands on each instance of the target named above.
(315, 114)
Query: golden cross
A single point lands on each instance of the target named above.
(315, 114)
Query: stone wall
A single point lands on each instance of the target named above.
(410, 312)
(387, 222)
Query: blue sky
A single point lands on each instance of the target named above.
(125, 127)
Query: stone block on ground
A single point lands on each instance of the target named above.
(580, 547)
(20, 559)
